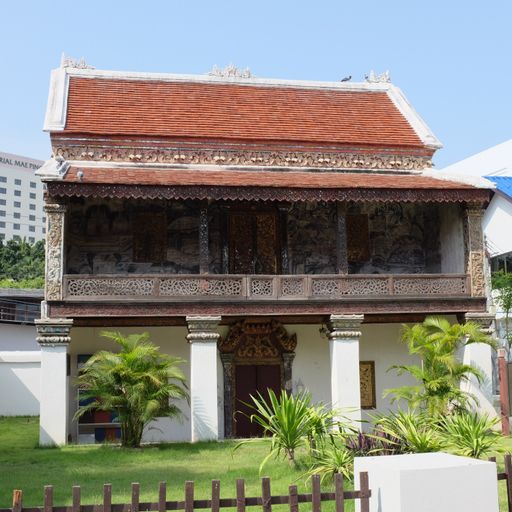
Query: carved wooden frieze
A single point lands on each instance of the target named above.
(367, 384)
(277, 157)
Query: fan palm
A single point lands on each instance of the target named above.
(138, 383)
(436, 342)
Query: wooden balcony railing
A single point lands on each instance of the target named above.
(166, 287)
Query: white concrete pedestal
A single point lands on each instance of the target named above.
(53, 337)
(204, 413)
(429, 482)
(344, 338)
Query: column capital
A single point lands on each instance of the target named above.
(345, 326)
(202, 328)
(53, 331)
(483, 319)
(55, 208)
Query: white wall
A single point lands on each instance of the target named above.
(452, 239)
(20, 365)
(496, 219)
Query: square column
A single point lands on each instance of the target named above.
(53, 338)
(203, 337)
(344, 335)
(479, 355)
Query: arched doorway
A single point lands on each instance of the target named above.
(257, 354)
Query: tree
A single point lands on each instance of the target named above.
(440, 373)
(502, 283)
(21, 264)
(138, 383)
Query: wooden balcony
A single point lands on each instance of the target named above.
(257, 288)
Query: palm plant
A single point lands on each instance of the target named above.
(440, 373)
(138, 383)
(471, 434)
(330, 458)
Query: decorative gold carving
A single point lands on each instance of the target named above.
(150, 237)
(337, 160)
(54, 250)
(367, 384)
(257, 339)
(358, 238)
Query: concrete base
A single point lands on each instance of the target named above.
(429, 482)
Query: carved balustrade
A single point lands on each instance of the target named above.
(165, 287)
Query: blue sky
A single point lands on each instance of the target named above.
(453, 59)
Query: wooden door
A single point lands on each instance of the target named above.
(253, 243)
(251, 379)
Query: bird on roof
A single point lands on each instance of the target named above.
(346, 79)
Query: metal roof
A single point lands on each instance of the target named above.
(503, 183)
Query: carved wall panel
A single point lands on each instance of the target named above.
(474, 250)
(358, 238)
(54, 250)
(367, 383)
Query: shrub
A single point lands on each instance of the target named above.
(332, 457)
(470, 434)
(409, 432)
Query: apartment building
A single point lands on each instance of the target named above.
(21, 199)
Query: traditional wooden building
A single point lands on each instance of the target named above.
(273, 233)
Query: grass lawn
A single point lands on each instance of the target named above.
(25, 466)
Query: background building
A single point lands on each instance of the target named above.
(21, 199)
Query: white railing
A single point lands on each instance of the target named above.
(164, 287)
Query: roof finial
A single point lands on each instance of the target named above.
(230, 71)
(69, 62)
(374, 78)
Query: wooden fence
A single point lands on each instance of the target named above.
(507, 476)
(215, 503)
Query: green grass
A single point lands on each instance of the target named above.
(25, 466)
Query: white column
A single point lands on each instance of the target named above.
(53, 337)
(344, 335)
(479, 355)
(204, 413)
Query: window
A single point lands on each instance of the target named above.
(16, 237)
(44, 230)
(2, 202)
(2, 213)
(17, 182)
(32, 229)
(33, 184)
(17, 193)
(32, 218)
(2, 224)
(2, 236)
(3, 190)
(17, 204)
(44, 219)
(3, 179)
(17, 215)
(32, 206)
(16, 226)
(32, 195)
(31, 239)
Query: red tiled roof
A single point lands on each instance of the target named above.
(213, 111)
(277, 179)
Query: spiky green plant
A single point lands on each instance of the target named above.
(287, 419)
(330, 458)
(436, 342)
(138, 383)
(409, 432)
(471, 434)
